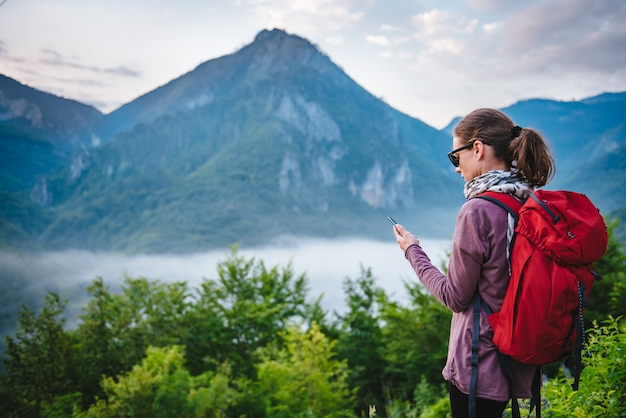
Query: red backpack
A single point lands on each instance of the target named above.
(558, 235)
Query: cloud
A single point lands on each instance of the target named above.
(491, 27)
(547, 38)
(445, 60)
(56, 63)
(573, 35)
(401, 40)
(442, 35)
(54, 55)
(51, 72)
(389, 28)
(432, 24)
(311, 17)
(334, 40)
(493, 5)
(55, 59)
(377, 40)
(382, 40)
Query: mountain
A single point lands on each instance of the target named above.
(61, 122)
(39, 134)
(271, 142)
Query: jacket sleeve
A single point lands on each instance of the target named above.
(470, 247)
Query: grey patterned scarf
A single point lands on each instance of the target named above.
(498, 181)
(504, 182)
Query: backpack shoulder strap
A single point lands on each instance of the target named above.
(504, 200)
(512, 206)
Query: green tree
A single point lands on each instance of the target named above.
(243, 310)
(38, 360)
(304, 379)
(162, 387)
(414, 341)
(608, 295)
(360, 337)
(116, 329)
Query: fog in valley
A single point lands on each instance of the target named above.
(326, 264)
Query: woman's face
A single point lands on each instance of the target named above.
(468, 165)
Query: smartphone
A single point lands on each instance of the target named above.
(390, 219)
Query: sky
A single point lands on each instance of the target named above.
(431, 59)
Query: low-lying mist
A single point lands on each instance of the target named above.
(326, 263)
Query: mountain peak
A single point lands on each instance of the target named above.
(280, 38)
(273, 55)
(276, 50)
(267, 35)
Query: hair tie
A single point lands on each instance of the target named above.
(516, 131)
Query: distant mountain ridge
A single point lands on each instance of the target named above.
(272, 140)
(39, 133)
(59, 121)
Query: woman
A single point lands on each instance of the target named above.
(490, 153)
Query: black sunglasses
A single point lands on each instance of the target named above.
(454, 159)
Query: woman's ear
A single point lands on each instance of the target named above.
(479, 150)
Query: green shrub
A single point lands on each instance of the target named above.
(602, 390)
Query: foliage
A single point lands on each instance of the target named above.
(303, 379)
(427, 394)
(247, 307)
(430, 402)
(608, 295)
(162, 387)
(116, 329)
(440, 409)
(39, 363)
(415, 341)
(602, 390)
(378, 337)
(360, 339)
(249, 344)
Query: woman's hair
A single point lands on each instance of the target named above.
(523, 149)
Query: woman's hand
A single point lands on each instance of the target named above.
(404, 238)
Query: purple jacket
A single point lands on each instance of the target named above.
(478, 260)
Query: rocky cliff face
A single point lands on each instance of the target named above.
(20, 108)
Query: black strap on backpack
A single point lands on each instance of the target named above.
(505, 364)
(504, 361)
(474, 377)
